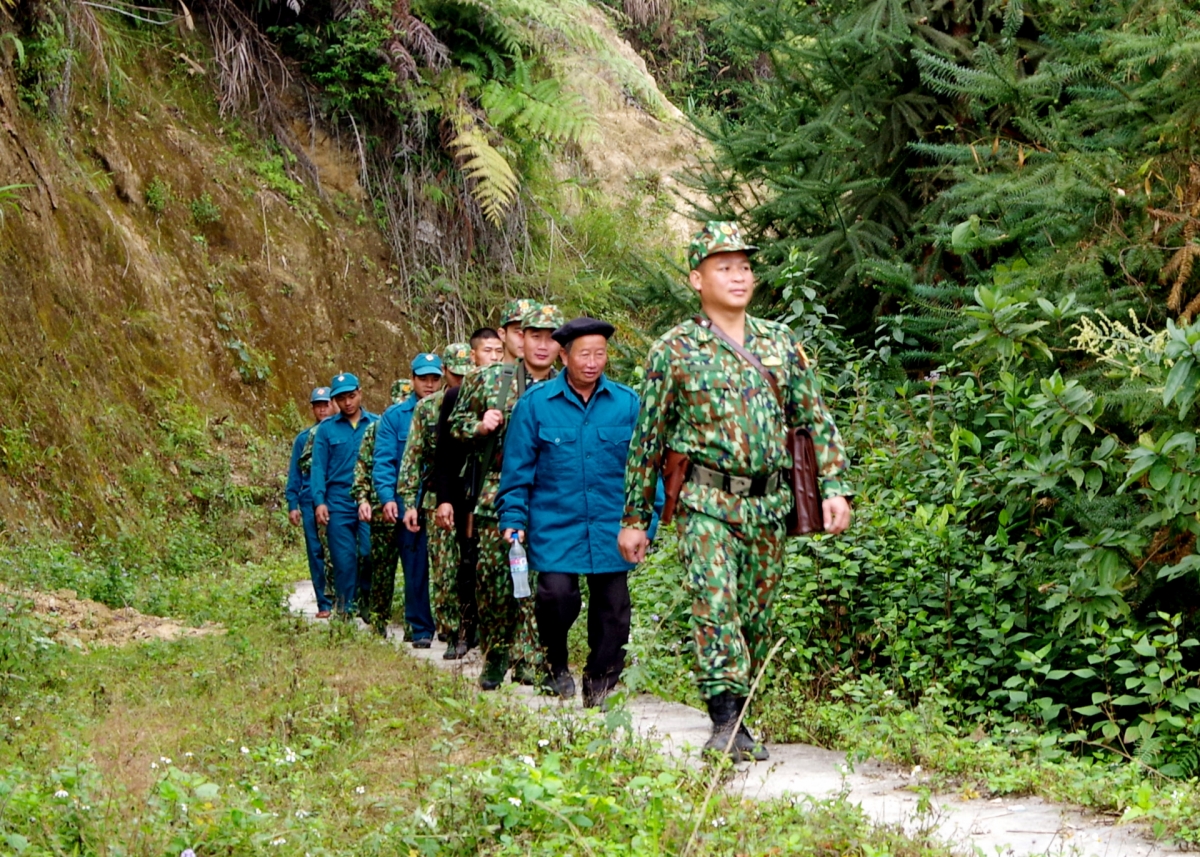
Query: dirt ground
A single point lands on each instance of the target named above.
(80, 622)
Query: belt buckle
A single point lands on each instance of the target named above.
(740, 484)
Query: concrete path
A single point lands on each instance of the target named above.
(1021, 827)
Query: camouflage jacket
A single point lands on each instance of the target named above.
(480, 392)
(700, 398)
(305, 460)
(362, 490)
(416, 467)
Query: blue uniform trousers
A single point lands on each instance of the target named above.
(414, 557)
(350, 546)
(316, 556)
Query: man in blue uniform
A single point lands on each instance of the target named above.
(299, 499)
(562, 492)
(334, 455)
(393, 541)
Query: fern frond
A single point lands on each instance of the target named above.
(494, 184)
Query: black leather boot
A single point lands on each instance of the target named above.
(746, 742)
(723, 710)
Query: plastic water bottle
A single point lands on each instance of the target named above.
(518, 564)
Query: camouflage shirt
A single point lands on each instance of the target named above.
(700, 398)
(363, 490)
(417, 464)
(480, 392)
(305, 460)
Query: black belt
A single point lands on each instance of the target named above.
(741, 486)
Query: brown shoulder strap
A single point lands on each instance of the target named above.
(741, 351)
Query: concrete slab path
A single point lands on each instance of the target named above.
(1020, 827)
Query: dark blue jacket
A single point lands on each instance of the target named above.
(391, 436)
(335, 452)
(298, 488)
(564, 471)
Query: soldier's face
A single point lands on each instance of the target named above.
(487, 352)
(540, 349)
(724, 281)
(426, 385)
(585, 359)
(514, 340)
(349, 403)
(321, 410)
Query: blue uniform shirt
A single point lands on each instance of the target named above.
(564, 472)
(335, 453)
(298, 487)
(391, 436)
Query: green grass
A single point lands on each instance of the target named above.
(286, 738)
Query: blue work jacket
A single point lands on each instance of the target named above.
(563, 480)
(335, 452)
(298, 489)
(391, 436)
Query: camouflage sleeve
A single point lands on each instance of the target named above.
(361, 489)
(408, 483)
(809, 411)
(469, 408)
(305, 462)
(648, 445)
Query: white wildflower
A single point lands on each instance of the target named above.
(302, 813)
(719, 821)
(164, 760)
(61, 793)
(528, 760)
(515, 801)
(189, 755)
(543, 742)
(427, 818)
(245, 750)
(279, 841)
(154, 766)
(360, 790)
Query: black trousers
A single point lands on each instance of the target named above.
(557, 607)
(468, 555)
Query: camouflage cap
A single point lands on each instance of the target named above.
(717, 236)
(457, 358)
(401, 390)
(515, 310)
(542, 317)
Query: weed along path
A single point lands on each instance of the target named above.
(1020, 827)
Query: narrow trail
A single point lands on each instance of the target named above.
(1021, 827)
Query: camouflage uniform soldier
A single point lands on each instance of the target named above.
(416, 491)
(507, 628)
(701, 399)
(385, 546)
(402, 388)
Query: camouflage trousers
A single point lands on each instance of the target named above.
(731, 573)
(504, 621)
(324, 537)
(385, 556)
(443, 577)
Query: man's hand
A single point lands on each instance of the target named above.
(490, 422)
(837, 514)
(508, 534)
(322, 513)
(444, 516)
(364, 512)
(410, 520)
(391, 512)
(294, 517)
(632, 544)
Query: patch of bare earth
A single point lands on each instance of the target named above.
(81, 622)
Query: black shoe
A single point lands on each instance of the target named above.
(723, 709)
(423, 643)
(460, 649)
(451, 652)
(494, 668)
(560, 684)
(595, 693)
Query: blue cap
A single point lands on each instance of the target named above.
(427, 364)
(343, 382)
(319, 394)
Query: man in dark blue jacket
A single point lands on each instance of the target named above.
(562, 492)
(335, 453)
(299, 498)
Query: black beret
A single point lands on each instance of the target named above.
(582, 326)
